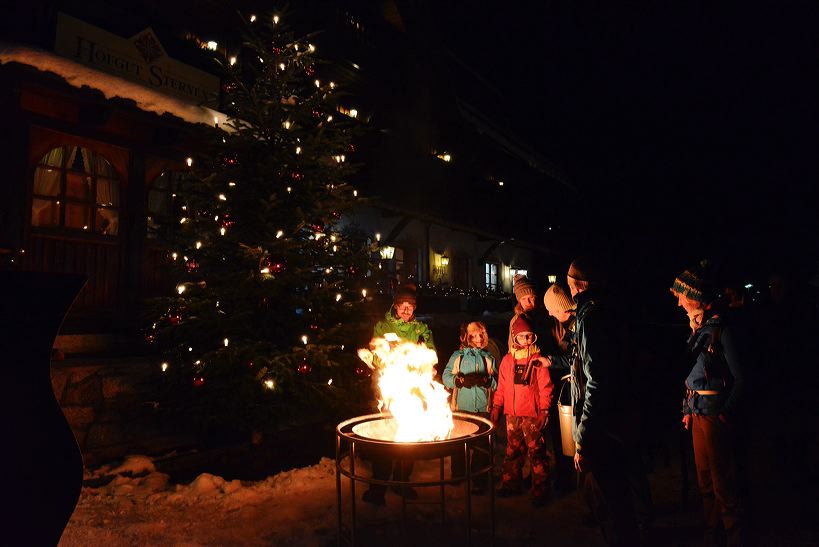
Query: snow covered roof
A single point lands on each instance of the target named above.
(111, 86)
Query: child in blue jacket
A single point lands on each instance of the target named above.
(471, 374)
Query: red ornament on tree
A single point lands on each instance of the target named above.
(313, 326)
(229, 87)
(273, 265)
(296, 176)
(352, 270)
(278, 266)
(198, 380)
(305, 367)
(310, 70)
(174, 316)
(229, 159)
(363, 371)
(150, 337)
(317, 226)
(192, 266)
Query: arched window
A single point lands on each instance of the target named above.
(160, 202)
(76, 189)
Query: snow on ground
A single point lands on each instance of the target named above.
(133, 504)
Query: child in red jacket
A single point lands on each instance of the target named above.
(524, 395)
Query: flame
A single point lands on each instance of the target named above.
(417, 403)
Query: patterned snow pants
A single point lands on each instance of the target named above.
(522, 437)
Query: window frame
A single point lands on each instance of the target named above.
(490, 273)
(63, 199)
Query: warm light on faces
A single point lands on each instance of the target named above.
(477, 339)
(572, 286)
(404, 311)
(688, 304)
(561, 316)
(524, 339)
(527, 302)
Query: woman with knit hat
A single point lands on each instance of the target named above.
(527, 304)
(399, 320)
(714, 397)
(561, 307)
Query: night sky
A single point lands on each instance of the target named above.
(690, 128)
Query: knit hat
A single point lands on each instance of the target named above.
(522, 286)
(405, 293)
(521, 324)
(696, 283)
(556, 300)
(585, 271)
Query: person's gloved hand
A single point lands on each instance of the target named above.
(686, 421)
(485, 381)
(495, 414)
(472, 380)
(459, 380)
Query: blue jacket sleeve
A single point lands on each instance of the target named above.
(448, 377)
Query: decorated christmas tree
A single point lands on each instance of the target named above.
(259, 334)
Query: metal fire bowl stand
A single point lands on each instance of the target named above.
(350, 445)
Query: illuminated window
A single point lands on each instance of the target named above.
(491, 276)
(514, 271)
(75, 189)
(351, 112)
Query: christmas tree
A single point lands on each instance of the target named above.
(259, 334)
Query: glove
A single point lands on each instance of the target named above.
(472, 380)
(485, 381)
(459, 380)
(495, 415)
(686, 421)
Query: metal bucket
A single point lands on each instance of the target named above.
(566, 420)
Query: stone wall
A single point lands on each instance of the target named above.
(110, 405)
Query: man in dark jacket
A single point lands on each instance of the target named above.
(604, 422)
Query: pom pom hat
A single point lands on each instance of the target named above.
(522, 286)
(556, 300)
(520, 325)
(695, 283)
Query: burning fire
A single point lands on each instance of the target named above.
(417, 403)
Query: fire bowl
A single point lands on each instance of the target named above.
(372, 434)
